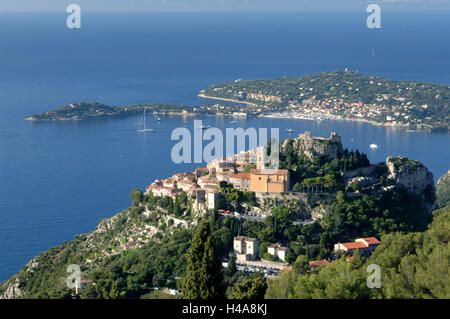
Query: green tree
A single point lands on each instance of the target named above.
(253, 287)
(356, 186)
(282, 287)
(300, 265)
(176, 210)
(231, 269)
(204, 277)
(136, 196)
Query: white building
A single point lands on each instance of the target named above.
(278, 251)
(245, 248)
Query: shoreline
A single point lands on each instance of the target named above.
(203, 96)
(328, 117)
(273, 114)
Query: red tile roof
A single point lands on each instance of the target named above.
(371, 240)
(287, 268)
(269, 171)
(241, 175)
(355, 245)
(361, 243)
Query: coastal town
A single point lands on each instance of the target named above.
(342, 95)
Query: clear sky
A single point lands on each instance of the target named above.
(216, 5)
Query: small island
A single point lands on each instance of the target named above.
(97, 111)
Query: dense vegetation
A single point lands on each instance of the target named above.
(344, 220)
(319, 172)
(412, 265)
(204, 276)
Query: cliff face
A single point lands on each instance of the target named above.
(12, 291)
(414, 177)
(443, 190)
(317, 146)
(409, 174)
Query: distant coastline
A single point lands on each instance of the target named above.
(372, 100)
(354, 96)
(325, 116)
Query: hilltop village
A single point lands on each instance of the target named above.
(203, 183)
(247, 173)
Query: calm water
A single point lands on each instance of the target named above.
(60, 179)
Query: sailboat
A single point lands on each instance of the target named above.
(142, 125)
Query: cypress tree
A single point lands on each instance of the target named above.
(231, 269)
(204, 277)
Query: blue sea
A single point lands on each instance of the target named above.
(59, 179)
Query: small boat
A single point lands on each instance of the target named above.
(142, 124)
(289, 130)
(204, 127)
(373, 146)
(159, 119)
(233, 122)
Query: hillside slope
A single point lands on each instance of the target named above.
(443, 191)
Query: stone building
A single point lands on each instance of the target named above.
(241, 181)
(269, 180)
(245, 248)
(278, 251)
(366, 246)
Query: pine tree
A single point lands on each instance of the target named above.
(253, 287)
(204, 277)
(231, 269)
(176, 208)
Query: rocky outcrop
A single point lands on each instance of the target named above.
(12, 291)
(414, 177)
(443, 191)
(316, 146)
(409, 174)
(444, 179)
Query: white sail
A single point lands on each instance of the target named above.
(142, 123)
